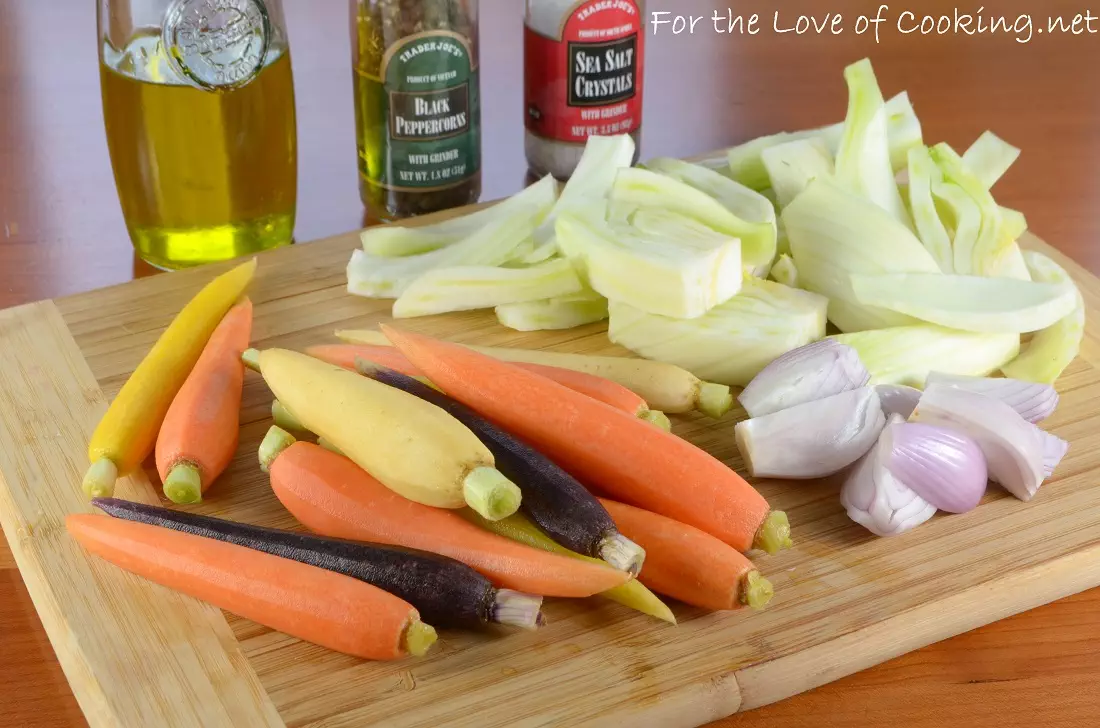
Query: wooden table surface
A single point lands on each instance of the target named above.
(61, 231)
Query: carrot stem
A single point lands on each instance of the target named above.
(419, 638)
(183, 484)
(284, 419)
(622, 553)
(517, 609)
(775, 534)
(658, 418)
(251, 359)
(715, 400)
(756, 591)
(99, 481)
(490, 494)
(275, 441)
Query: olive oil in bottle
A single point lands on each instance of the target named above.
(202, 174)
(417, 105)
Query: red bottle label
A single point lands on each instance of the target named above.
(588, 79)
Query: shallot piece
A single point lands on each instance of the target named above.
(945, 467)
(876, 499)
(1054, 449)
(808, 373)
(1034, 402)
(1013, 452)
(897, 399)
(814, 439)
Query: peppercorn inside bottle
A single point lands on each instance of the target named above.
(417, 105)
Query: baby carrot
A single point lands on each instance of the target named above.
(332, 496)
(603, 447)
(128, 431)
(604, 390)
(199, 435)
(665, 386)
(312, 604)
(690, 565)
(632, 594)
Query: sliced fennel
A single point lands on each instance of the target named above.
(495, 244)
(1053, 349)
(663, 263)
(474, 287)
(930, 228)
(863, 159)
(745, 162)
(733, 342)
(982, 257)
(641, 188)
(1011, 263)
(591, 181)
(784, 271)
(747, 204)
(989, 158)
(1013, 224)
(793, 165)
(564, 312)
(969, 303)
(834, 233)
(907, 355)
(394, 241)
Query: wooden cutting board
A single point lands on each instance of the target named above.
(139, 655)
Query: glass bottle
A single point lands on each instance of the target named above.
(583, 68)
(198, 101)
(417, 105)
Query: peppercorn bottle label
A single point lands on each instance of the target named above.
(432, 113)
(586, 80)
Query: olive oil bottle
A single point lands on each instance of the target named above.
(417, 105)
(203, 174)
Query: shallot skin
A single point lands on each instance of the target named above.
(943, 466)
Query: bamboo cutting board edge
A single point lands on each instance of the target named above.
(91, 611)
(740, 687)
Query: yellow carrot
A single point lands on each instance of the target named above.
(632, 594)
(127, 433)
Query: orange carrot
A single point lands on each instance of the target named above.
(688, 564)
(603, 447)
(199, 434)
(604, 390)
(332, 496)
(312, 604)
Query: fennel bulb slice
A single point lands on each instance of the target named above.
(784, 271)
(907, 355)
(563, 312)
(509, 232)
(745, 162)
(640, 188)
(793, 165)
(733, 342)
(989, 158)
(923, 172)
(662, 263)
(863, 159)
(982, 257)
(747, 204)
(1053, 349)
(969, 303)
(591, 181)
(396, 241)
(473, 287)
(833, 233)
